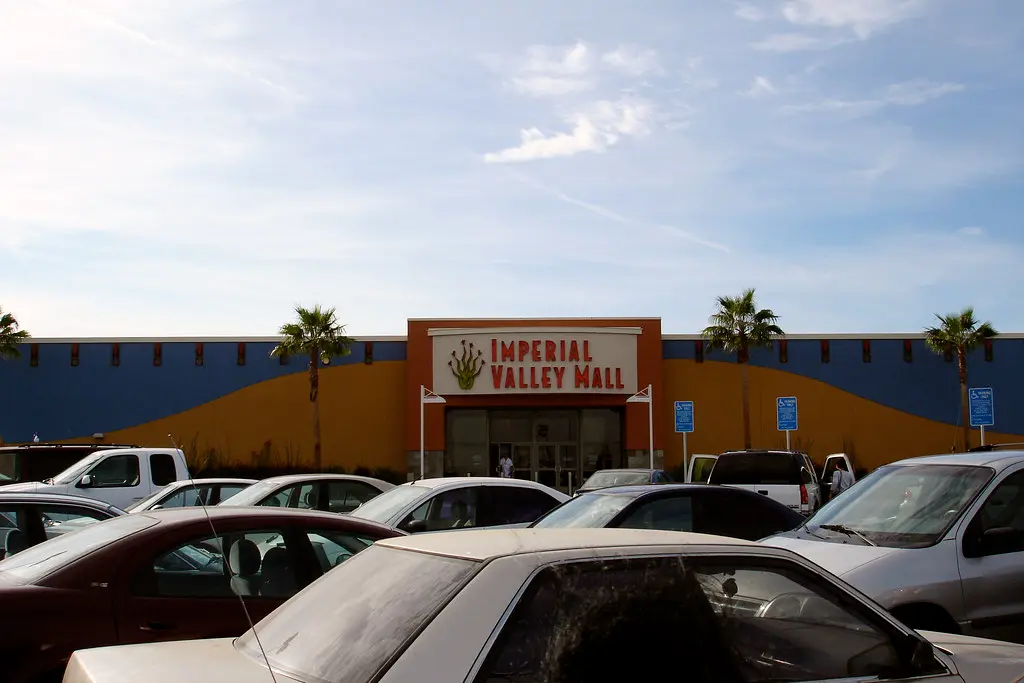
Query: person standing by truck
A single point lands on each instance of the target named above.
(842, 479)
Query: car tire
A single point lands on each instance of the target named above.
(926, 617)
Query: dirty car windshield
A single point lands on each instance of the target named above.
(388, 504)
(587, 511)
(904, 506)
(330, 632)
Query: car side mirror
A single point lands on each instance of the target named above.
(415, 526)
(85, 482)
(156, 507)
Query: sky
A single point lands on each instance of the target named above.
(201, 167)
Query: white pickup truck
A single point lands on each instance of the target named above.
(117, 476)
(786, 476)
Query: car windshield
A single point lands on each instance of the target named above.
(756, 469)
(329, 632)
(43, 559)
(901, 506)
(252, 495)
(150, 498)
(587, 510)
(609, 478)
(74, 473)
(390, 503)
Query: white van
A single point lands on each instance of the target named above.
(118, 476)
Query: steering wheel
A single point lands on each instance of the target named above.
(790, 605)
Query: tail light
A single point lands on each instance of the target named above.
(803, 494)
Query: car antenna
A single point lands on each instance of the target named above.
(248, 619)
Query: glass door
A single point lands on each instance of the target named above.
(547, 464)
(568, 468)
(522, 460)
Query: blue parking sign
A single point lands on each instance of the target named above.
(684, 417)
(982, 407)
(786, 413)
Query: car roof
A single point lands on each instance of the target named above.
(216, 512)
(53, 498)
(637, 490)
(437, 482)
(212, 480)
(995, 459)
(486, 544)
(296, 478)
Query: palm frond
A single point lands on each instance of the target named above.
(960, 331)
(11, 336)
(315, 332)
(737, 324)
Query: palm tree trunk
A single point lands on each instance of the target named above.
(314, 398)
(745, 391)
(965, 413)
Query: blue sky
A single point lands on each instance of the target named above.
(197, 167)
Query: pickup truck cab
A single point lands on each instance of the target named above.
(785, 476)
(119, 477)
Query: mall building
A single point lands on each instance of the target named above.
(552, 394)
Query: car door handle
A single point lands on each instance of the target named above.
(156, 626)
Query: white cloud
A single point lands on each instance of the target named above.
(759, 87)
(552, 71)
(602, 125)
(907, 94)
(550, 86)
(795, 42)
(863, 17)
(631, 60)
(748, 12)
(972, 230)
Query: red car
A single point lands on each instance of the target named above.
(163, 575)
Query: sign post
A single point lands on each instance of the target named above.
(982, 409)
(426, 396)
(786, 415)
(684, 424)
(646, 396)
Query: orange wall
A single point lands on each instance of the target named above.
(419, 358)
(360, 419)
(831, 420)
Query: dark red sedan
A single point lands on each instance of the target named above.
(170, 574)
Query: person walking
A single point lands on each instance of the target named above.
(505, 466)
(842, 479)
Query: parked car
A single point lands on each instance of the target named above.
(461, 502)
(937, 540)
(785, 476)
(718, 510)
(540, 605)
(119, 476)
(39, 461)
(209, 491)
(27, 519)
(161, 575)
(328, 492)
(623, 477)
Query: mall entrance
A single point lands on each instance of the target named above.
(556, 447)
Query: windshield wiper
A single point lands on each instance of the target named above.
(843, 529)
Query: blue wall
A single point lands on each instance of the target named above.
(61, 401)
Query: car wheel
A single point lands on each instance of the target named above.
(925, 617)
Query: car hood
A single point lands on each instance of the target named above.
(837, 558)
(980, 659)
(196, 661)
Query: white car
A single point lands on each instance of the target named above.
(553, 605)
(189, 492)
(446, 503)
(938, 540)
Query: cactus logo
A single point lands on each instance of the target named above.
(467, 366)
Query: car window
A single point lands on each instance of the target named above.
(61, 519)
(187, 496)
(332, 547)
(998, 527)
(585, 511)
(757, 469)
(666, 514)
(730, 621)
(452, 509)
(513, 505)
(609, 478)
(14, 530)
(384, 507)
(345, 496)
(228, 490)
(257, 564)
(737, 514)
(116, 471)
(302, 496)
(333, 632)
(162, 468)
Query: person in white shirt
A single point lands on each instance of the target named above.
(505, 467)
(842, 479)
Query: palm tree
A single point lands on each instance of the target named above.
(960, 333)
(317, 334)
(10, 336)
(736, 327)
